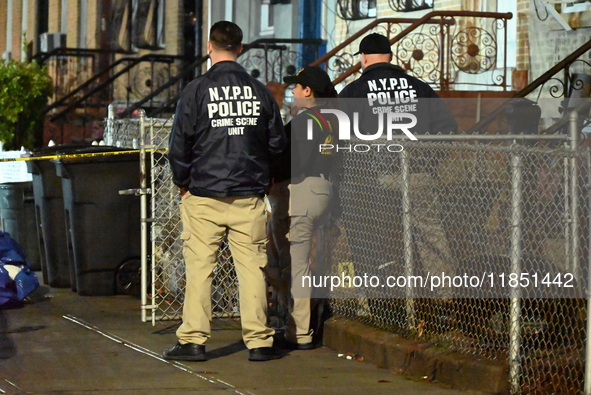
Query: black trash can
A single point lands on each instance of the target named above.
(103, 227)
(17, 217)
(57, 269)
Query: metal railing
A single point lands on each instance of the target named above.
(265, 59)
(438, 48)
(568, 86)
(139, 81)
(78, 85)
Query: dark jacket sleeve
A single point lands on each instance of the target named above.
(441, 119)
(181, 140)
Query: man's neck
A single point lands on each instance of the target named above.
(222, 57)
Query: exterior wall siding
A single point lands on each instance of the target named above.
(3, 24)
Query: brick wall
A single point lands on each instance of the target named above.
(55, 7)
(522, 34)
(549, 44)
(17, 33)
(91, 23)
(3, 24)
(446, 5)
(173, 27)
(31, 26)
(72, 28)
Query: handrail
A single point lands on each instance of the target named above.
(134, 60)
(173, 80)
(421, 21)
(257, 44)
(361, 32)
(105, 84)
(41, 57)
(541, 80)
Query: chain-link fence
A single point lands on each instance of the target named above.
(164, 280)
(168, 268)
(477, 211)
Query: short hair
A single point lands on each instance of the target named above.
(225, 36)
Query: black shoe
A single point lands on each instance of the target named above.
(305, 346)
(186, 352)
(261, 354)
(285, 344)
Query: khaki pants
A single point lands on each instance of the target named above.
(205, 221)
(309, 203)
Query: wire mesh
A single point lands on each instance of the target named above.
(461, 199)
(168, 266)
(167, 273)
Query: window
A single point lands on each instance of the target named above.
(148, 24)
(356, 9)
(136, 24)
(267, 25)
(410, 5)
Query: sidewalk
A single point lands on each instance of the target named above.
(72, 344)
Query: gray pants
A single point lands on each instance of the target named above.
(309, 206)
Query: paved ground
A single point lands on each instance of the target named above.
(69, 344)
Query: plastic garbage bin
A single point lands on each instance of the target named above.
(17, 217)
(103, 227)
(51, 226)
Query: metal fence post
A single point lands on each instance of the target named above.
(573, 131)
(108, 138)
(143, 215)
(407, 234)
(516, 254)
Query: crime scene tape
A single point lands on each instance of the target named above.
(77, 156)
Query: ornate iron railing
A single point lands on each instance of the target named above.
(78, 84)
(575, 82)
(266, 59)
(441, 48)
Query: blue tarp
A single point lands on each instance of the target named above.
(16, 278)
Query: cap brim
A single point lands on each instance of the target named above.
(291, 79)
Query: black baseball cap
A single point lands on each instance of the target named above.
(315, 78)
(374, 43)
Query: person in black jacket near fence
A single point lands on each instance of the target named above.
(227, 124)
(383, 88)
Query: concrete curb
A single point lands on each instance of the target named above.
(416, 358)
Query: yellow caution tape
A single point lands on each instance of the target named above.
(77, 156)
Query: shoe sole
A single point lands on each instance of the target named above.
(305, 347)
(185, 358)
(264, 359)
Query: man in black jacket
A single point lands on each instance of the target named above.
(385, 88)
(227, 124)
